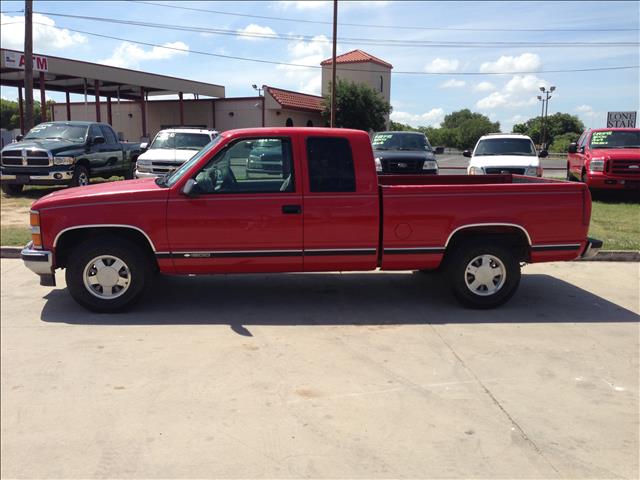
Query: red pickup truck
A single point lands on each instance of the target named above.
(325, 209)
(606, 158)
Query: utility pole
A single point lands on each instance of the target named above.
(545, 111)
(333, 65)
(28, 64)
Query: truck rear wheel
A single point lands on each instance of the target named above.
(483, 274)
(12, 189)
(107, 274)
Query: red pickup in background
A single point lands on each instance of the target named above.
(606, 158)
(321, 208)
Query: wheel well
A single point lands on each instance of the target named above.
(509, 236)
(72, 238)
(85, 163)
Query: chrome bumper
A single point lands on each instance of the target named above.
(62, 176)
(592, 248)
(146, 174)
(39, 262)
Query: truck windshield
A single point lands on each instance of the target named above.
(180, 140)
(615, 139)
(61, 131)
(505, 146)
(400, 141)
(172, 177)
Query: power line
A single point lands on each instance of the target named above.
(272, 62)
(343, 40)
(395, 27)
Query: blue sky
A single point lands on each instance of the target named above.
(418, 99)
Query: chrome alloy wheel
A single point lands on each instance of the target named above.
(485, 275)
(83, 179)
(106, 277)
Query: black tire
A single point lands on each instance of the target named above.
(569, 174)
(129, 173)
(80, 176)
(483, 253)
(583, 176)
(138, 273)
(12, 189)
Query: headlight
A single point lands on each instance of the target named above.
(533, 172)
(143, 168)
(144, 163)
(596, 165)
(475, 171)
(430, 165)
(64, 160)
(378, 163)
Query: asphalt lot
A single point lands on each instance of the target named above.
(375, 375)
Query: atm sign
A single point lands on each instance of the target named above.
(16, 60)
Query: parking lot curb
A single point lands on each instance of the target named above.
(602, 256)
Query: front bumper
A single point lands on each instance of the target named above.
(599, 181)
(592, 248)
(39, 262)
(44, 178)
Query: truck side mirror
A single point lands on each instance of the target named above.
(191, 188)
(543, 154)
(466, 153)
(144, 146)
(97, 140)
(19, 137)
(573, 147)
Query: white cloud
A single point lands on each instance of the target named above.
(587, 111)
(432, 118)
(46, 35)
(506, 64)
(253, 32)
(442, 65)
(453, 83)
(128, 55)
(519, 91)
(308, 80)
(484, 87)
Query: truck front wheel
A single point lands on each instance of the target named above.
(12, 189)
(107, 274)
(80, 176)
(483, 274)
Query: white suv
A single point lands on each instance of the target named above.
(170, 149)
(505, 153)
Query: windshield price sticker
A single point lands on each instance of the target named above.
(380, 139)
(600, 138)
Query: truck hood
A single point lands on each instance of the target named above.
(56, 147)
(403, 155)
(504, 161)
(121, 191)
(615, 153)
(167, 155)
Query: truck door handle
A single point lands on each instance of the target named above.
(292, 209)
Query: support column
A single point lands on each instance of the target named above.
(43, 99)
(109, 113)
(143, 111)
(21, 110)
(181, 109)
(96, 87)
(68, 105)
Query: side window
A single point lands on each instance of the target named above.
(94, 131)
(258, 165)
(108, 135)
(330, 165)
(583, 141)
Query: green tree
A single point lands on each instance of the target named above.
(464, 128)
(557, 125)
(401, 127)
(358, 106)
(561, 142)
(10, 113)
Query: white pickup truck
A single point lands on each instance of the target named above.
(170, 149)
(505, 153)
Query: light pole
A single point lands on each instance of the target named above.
(259, 90)
(545, 111)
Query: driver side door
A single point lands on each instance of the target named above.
(238, 221)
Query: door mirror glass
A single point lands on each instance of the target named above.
(144, 146)
(466, 153)
(190, 188)
(573, 147)
(543, 154)
(97, 140)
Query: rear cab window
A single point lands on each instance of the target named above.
(330, 165)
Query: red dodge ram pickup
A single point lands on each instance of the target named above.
(324, 210)
(606, 158)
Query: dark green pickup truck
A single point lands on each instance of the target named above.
(65, 153)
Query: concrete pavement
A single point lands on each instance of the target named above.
(374, 375)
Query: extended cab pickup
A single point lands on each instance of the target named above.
(327, 210)
(65, 153)
(606, 158)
